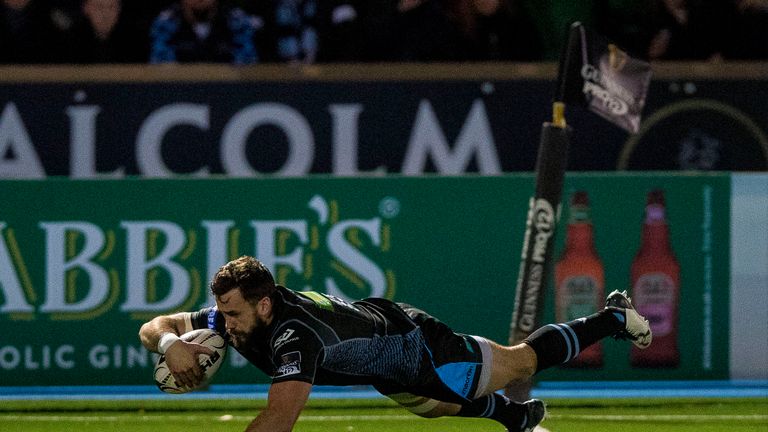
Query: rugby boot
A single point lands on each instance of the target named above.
(636, 328)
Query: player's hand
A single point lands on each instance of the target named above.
(182, 360)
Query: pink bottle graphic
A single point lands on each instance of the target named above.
(655, 276)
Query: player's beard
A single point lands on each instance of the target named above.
(240, 338)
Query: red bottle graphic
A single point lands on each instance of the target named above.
(579, 277)
(655, 275)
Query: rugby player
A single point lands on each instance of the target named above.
(306, 338)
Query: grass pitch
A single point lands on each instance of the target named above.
(594, 415)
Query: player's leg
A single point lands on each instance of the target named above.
(425, 407)
(455, 377)
(554, 344)
(516, 417)
(507, 364)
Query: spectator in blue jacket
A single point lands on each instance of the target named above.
(194, 31)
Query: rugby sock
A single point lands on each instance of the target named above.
(498, 407)
(560, 343)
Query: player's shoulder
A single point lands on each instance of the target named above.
(297, 304)
(207, 317)
(313, 299)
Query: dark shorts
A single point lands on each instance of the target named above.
(452, 366)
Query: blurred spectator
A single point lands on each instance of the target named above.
(306, 31)
(340, 30)
(323, 31)
(410, 31)
(28, 33)
(493, 30)
(310, 31)
(552, 19)
(627, 23)
(204, 31)
(749, 39)
(689, 29)
(103, 36)
(686, 30)
(448, 30)
(295, 24)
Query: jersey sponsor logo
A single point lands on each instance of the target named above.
(290, 364)
(285, 338)
(212, 318)
(468, 380)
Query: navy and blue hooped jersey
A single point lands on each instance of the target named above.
(322, 339)
(229, 38)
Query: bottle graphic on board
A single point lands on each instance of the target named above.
(579, 277)
(655, 276)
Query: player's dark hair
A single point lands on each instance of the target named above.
(247, 273)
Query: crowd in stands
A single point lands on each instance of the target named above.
(323, 31)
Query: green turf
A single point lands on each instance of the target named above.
(623, 415)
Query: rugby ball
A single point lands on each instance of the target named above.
(210, 364)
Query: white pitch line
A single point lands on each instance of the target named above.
(659, 417)
(195, 418)
(346, 418)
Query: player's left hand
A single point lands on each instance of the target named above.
(182, 360)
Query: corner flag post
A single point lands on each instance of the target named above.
(596, 74)
(540, 228)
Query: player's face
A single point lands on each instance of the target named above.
(242, 317)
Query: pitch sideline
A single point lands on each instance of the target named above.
(397, 417)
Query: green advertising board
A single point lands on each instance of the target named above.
(84, 263)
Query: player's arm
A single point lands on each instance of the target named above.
(284, 404)
(151, 332)
(161, 335)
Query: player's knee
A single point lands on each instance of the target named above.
(526, 372)
(425, 407)
(419, 405)
(524, 361)
(437, 409)
(511, 364)
(433, 413)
